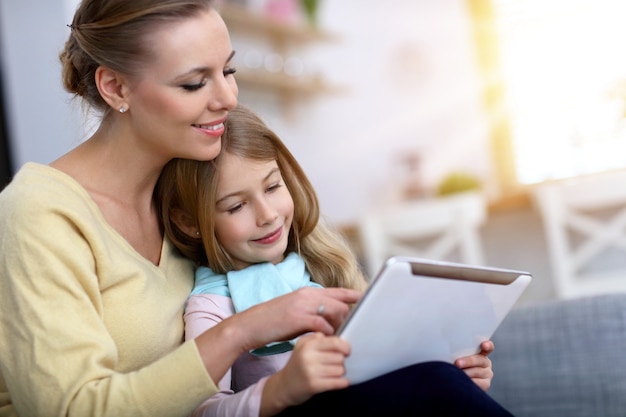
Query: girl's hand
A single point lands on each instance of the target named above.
(478, 366)
(316, 365)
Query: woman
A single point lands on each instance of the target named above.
(91, 294)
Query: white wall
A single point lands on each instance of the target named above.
(413, 82)
(42, 123)
(408, 65)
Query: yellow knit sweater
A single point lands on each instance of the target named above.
(88, 327)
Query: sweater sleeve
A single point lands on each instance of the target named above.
(70, 333)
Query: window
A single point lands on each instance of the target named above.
(562, 69)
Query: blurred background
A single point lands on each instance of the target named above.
(403, 103)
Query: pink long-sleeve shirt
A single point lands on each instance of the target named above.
(241, 388)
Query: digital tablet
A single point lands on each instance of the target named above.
(417, 310)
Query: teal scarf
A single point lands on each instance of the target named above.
(256, 284)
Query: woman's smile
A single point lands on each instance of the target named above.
(212, 130)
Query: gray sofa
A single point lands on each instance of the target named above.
(563, 358)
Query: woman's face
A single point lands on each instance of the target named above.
(179, 102)
(254, 210)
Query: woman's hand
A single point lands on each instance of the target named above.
(478, 366)
(302, 311)
(316, 365)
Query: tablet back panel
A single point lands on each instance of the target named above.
(417, 310)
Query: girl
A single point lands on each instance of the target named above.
(250, 219)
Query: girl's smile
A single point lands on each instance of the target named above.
(271, 238)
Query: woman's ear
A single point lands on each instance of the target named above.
(112, 87)
(185, 222)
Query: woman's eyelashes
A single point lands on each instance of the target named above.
(194, 87)
(197, 86)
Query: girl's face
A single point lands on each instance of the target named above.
(179, 102)
(254, 211)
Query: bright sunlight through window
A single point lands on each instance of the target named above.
(564, 67)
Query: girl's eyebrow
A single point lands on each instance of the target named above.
(273, 171)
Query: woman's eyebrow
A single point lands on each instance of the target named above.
(204, 69)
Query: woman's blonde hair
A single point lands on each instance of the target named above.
(191, 186)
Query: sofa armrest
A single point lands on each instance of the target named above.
(563, 358)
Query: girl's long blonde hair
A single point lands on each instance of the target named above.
(191, 186)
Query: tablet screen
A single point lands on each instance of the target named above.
(417, 310)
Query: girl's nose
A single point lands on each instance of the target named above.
(266, 213)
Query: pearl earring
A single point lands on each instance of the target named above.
(197, 233)
(123, 109)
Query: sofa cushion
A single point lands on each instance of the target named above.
(563, 358)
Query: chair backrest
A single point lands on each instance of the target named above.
(445, 228)
(585, 223)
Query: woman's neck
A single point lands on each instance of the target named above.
(121, 182)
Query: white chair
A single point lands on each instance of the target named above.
(585, 226)
(444, 228)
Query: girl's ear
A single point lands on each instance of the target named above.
(185, 222)
(112, 87)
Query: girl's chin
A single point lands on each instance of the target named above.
(278, 259)
(271, 259)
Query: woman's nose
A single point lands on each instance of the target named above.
(224, 94)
